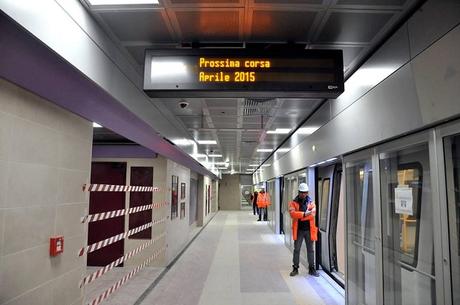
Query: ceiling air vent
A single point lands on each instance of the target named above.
(258, 106)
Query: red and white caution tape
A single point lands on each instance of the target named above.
(118, 213)
(100, 272)
(121, 282)
(116, 238)
(118, 188)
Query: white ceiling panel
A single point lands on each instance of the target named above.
(144, 25)
(240, 125)
(353, 26)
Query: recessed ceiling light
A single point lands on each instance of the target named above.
(264, 150)
(279, 131)
(215, 156)
(307, 130)
(280, 150)
(183, 142)
(96, 125)
(199, 156)
(204, 142)
(221, 163)
(122, 2)
(253, 165)
(265, 165)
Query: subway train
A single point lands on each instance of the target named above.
(388, 217)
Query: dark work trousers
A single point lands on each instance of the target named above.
(301, 235)
(255, 209)
(263, 214)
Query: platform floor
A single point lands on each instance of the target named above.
(237, 260)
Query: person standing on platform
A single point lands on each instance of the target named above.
(263, 201)
(255, 209)
(303, 210)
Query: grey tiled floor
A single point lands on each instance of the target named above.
(236, 260)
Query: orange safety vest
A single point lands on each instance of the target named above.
(263, 200)
(296, 215)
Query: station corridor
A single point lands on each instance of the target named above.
(237, 260)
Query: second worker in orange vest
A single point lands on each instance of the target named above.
(303, 210)
(263, 201)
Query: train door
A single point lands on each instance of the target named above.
(290, 189)
(331, 221)
(449, 165)
(288, 192)
(361, 226)
(272, 207)
(409, 222)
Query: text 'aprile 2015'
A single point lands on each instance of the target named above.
(230, 70)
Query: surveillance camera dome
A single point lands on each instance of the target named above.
(183, 104)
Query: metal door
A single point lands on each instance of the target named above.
(362, 263)
(411, 235)
(106, 173)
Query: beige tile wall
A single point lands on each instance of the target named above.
(45, 157)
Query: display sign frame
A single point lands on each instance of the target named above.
(289, 73)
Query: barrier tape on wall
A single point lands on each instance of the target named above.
(100, 272)
(116, 238)
(118, 188)
(121, 282)
(118, 213)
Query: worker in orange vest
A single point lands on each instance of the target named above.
(263, 201)
(303, 211)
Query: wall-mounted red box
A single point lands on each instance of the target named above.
(56, 245)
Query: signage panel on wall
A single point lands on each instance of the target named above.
(243, 73)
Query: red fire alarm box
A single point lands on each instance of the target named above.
(56, 245)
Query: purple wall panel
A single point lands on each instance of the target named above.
(25, 61)
(122, 151)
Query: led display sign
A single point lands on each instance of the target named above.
(202, 73)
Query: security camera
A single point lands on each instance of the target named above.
(183, 105)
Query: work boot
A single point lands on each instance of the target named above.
(294, 272)
(312, 271)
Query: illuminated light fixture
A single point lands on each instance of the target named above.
(221, 163)
(369, 77)
(264, 150)
(332, 159)
(167, 68)
(253, 165)
(307, 130)
(122, 2)
(205, 142)
(281, 150)
(199, 156)
(96, 125)
(279, 131)
(183, 142)
(265, 165)
(215, 156)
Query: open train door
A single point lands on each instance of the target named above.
(331, 221)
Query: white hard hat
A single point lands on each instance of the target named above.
(303, 187)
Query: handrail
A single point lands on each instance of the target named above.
(370, 250)
(411, 268)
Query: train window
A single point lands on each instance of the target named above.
(410, 175)
(452, 156)
(324, 197)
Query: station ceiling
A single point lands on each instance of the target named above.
(240, 125)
